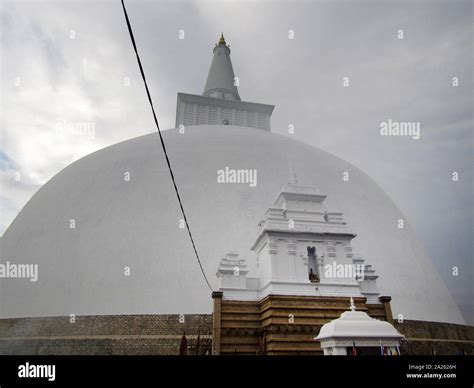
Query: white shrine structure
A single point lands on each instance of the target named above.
(305, 273)
(302, 249)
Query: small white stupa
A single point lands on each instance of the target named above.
(355, 331)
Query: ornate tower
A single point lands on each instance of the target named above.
(220, 104)
(221, 81)
(302, 249)
(306, 272)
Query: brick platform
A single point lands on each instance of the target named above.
(161, 334)
(106, 335)
(282, 325)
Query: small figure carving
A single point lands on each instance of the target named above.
(313, 278)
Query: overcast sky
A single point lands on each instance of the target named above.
(71, 65)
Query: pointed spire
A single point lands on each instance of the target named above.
(353, 307)
(221, 79)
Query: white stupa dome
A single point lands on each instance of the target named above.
(135, 223)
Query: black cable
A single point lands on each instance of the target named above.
(162, 142)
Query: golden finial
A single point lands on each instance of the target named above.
(222, 40)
